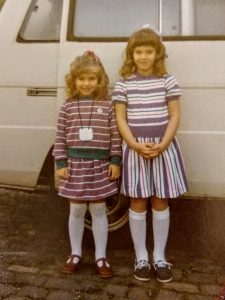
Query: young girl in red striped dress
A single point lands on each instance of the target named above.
(147, 112)
(87, 152)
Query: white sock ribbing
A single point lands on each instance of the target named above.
(137, 222)
(76, 226)
(99, 228)
(160, 223)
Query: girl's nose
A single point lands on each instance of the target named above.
(143, 56)
(86, 82)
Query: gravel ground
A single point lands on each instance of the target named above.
(34, 243)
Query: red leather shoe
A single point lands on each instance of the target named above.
(104, 270)
(70, 266)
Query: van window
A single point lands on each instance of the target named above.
(42, 21)
(203, 18)
(209, 17)
(101, 18)
(111, 20)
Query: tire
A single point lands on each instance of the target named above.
(117, 212)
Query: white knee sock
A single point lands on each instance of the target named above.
(99, 228)
(76, 226)
(137, 222)
(160, 223)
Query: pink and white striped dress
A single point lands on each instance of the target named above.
(146, 98)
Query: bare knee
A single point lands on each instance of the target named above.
(159, 204)
(138, 204)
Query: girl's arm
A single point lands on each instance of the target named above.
(171, 130)
(121, 118)
(173, 124)
(115, 138)
(115, 148)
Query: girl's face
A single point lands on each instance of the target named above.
(144, 59)
(86, 83)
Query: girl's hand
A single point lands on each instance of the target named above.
(156, 149)
(144, 149)
(62, 173)
(114, 172)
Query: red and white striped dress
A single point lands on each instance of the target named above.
(87, 161)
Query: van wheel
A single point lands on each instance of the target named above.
(117, 212)
(46, 180)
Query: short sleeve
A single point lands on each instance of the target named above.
(119, 93)
(173, 90)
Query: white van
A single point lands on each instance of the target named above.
(39, 39)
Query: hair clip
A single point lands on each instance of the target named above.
(93, 55)
(146, 26)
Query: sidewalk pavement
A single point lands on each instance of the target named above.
(34, 244)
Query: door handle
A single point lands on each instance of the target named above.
(38, 91)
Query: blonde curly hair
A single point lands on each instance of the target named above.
(88, 62)
(144, 37)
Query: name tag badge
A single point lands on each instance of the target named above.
(85, 134)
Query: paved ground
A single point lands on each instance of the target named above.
(34, 244)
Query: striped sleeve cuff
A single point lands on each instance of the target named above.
(115, 160)
(61, 164)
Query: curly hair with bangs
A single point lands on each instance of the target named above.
(144, 37)
(87, 63)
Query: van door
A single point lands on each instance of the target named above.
(28, 87)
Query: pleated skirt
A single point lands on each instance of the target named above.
(162, 177)
(88, 180)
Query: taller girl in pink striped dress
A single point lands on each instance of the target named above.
(87, 151)
(147, 111)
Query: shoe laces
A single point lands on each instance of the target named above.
(141, 263)
(162, 264)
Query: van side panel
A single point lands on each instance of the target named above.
(28, 90)
(32, 90)
(201, 74)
